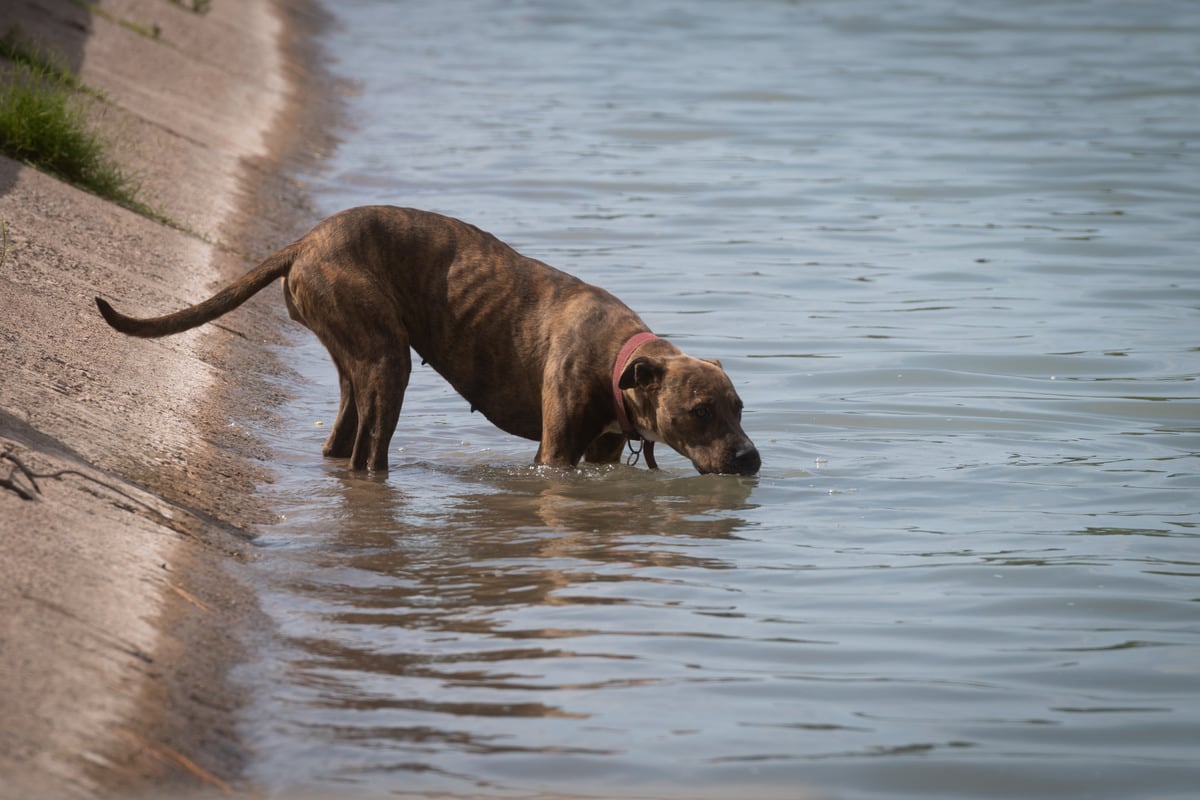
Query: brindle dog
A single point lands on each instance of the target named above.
(533, 348)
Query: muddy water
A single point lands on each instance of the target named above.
(947, 252)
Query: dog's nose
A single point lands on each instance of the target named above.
(747, 461)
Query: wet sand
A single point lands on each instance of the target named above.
(128, 466)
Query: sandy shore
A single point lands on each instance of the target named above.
(128, 466)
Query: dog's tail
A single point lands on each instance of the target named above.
(222, 302)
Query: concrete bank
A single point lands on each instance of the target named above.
(127, 471)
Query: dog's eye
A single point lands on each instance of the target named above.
(701, 412)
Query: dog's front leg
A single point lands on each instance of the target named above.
(553, 452)
(605, 449)
(566, 433)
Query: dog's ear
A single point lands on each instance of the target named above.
(641, 372)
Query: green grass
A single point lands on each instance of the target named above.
(151, 31)
(20, 50)
(38, 125)
(42, 124)
(195, 6)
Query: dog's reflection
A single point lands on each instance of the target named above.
(523, 536)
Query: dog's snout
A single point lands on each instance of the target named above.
(747, 461)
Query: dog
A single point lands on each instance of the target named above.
(540, 353)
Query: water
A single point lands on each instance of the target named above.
(946, 251)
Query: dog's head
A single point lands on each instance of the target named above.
(690, 404)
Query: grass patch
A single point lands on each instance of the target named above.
(95, 9)
(20, 50)
(43, 125)
(195, 6)
(40, 126)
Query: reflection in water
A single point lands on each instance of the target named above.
(493, 605)
(537, 540)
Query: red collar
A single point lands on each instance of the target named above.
(634, 342)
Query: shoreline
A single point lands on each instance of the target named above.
(121, 616)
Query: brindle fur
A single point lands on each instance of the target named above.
(530, 346)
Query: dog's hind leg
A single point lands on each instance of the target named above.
(363, 331)
(340, 443)
(379, 386)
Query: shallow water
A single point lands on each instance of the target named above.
(947, 253)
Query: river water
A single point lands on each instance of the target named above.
(947, 252)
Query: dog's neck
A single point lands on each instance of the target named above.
(627, 427)
(627, 351)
